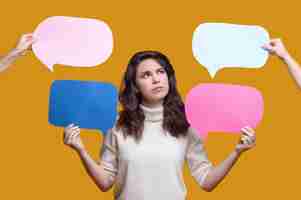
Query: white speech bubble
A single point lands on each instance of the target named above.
(221, 45)
(73, 41)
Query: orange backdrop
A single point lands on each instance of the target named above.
(35, 164)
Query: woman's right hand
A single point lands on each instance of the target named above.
(72, 137)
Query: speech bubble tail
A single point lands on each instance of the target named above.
(50, 67)
(212, 72)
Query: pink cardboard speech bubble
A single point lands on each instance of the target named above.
(223, 108)
(73, 41)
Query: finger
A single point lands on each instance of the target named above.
(68, 136)
(74, 132)
(64, 137)
(73, 137)
(76, 136)
(67, 130)
(70, 125)
(74, 128)
(250, 140)
(253, 138)
(28, 37)
(268, 47)
(27, 34)
(70, 130)
(70, 140)
(248, 132)
(250, 136)
(66, 140)
(246, 140)
(244, 131)
(249, 129)
(243, 140)
(275, 40)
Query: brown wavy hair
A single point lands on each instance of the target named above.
(131, 117)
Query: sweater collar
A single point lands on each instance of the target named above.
(152, 114)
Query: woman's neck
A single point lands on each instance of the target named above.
(153, 114)
(153, 104)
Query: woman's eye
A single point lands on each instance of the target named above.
(145, 75)
(161, 71)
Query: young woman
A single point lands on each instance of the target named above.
(144, 153)
(23, 45)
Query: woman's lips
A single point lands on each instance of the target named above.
(157, 89)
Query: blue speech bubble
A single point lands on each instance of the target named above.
(90, 105)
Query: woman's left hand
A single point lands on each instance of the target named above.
(247, 140)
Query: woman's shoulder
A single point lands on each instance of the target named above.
(191, 131)
(116, 130)
(113, 129)
(193, 134)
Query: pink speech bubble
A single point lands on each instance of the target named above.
(72, 41)
(223, 108)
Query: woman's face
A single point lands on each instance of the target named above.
(152, 82)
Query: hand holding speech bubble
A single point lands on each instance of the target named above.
(223, 108)
(91, 105)
(221, 45)
(73, 41)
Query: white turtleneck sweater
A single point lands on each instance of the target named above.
(152, 169)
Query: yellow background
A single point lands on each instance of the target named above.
(35, 164)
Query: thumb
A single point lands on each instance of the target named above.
(269, 48)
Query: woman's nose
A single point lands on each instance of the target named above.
(156, 79)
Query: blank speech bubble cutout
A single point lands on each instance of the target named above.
(221, 45)
(73, 41)
(91, 105)
(223, 108)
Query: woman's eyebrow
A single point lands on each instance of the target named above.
(155, 70)
(160, 68)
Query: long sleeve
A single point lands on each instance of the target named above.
(109, 154)
(196, 157)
